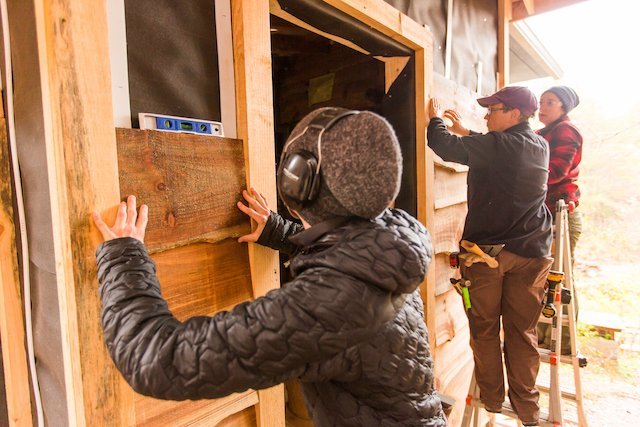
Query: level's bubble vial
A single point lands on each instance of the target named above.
(179, 124)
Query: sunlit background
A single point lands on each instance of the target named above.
(596, 43)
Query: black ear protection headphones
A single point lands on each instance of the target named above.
(299, 171)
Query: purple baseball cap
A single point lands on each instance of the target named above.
(514, 97)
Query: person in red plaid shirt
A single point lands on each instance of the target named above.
(565, 144)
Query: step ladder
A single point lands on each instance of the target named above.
(561, 274)
(562, 265)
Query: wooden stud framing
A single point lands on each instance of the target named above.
(449, 40)
(254, 114)
(504, 16)
(82, 169)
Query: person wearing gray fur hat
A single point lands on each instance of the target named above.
(349, 325)
(565, 155)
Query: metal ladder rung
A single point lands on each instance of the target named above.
(508, 411)
(545, 356)
(549, 321)
(543, 418)
(566, 394)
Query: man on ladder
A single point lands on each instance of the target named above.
(507, 219)
(557, 297)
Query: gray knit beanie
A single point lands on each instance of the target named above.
(360, 169)
(567, 96)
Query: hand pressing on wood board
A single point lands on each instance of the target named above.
(258, 210)
(128, 222)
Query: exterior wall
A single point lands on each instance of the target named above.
(69, 106)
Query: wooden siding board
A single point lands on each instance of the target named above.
(202, 279)
(450, 317)
(191, 184)
(450, 187)
(449, 224)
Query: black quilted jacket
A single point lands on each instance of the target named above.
(350, 325)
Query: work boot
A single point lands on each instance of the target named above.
(495, 409)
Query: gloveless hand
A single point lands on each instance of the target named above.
(258, 210)
(128, 222)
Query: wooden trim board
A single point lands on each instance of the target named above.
(12, 329)
(254, 102)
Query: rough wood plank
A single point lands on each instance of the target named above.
(450, 187)
(254, 100)
(201, 279)
(448, 226)
(191, 184)
(154, 412)
(12, 329)
(79, 136)
(450, 317)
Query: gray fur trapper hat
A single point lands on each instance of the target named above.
(361, 166)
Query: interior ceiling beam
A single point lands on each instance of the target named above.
(526, 8)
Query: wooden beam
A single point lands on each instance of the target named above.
(79, 139)
(276, 10)
(12, 332)
(425, 175)
(386, 19)
(254, 113)
(504, 16)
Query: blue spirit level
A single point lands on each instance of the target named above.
(179, 124)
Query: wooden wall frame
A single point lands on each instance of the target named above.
(74, 74)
